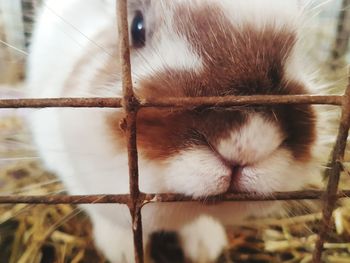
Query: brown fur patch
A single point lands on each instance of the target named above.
(237, 61)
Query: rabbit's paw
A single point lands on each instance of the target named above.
(114, 241)
(203, 240)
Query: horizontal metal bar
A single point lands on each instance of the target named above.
(62, 103)
(227, 101)
(241, 197)
(173, 102)
(64, 199)
(155, 198)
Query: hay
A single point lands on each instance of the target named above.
(31, 233)
(37, 233)
(41, 233)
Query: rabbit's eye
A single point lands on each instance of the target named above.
(138, 31)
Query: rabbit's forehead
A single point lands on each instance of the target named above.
(177, 29)
(186, 35)
(258, 12)
(201, 42)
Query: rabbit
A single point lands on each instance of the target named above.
(192, 48)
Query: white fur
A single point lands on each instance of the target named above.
(169, 45)
(60, 39)
(273, 173)
(255, 140)
(276, 12)
(204, 239)
(279, 13)
(119, 246)
(197, 172)
(75, 143)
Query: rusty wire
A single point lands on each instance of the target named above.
(147, 198)
(131, 104)
(333, 174)
(131, 107)
(186, 102)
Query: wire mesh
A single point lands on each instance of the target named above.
(135, 200)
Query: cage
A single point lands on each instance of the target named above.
(137, 199)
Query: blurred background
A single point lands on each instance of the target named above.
(39, 233)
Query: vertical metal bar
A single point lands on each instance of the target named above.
(343, 31)
(131, 106)
(333, 174)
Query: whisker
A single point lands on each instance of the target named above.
(32, 187)
(77, 30)
(14, 48)
(322, 4)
